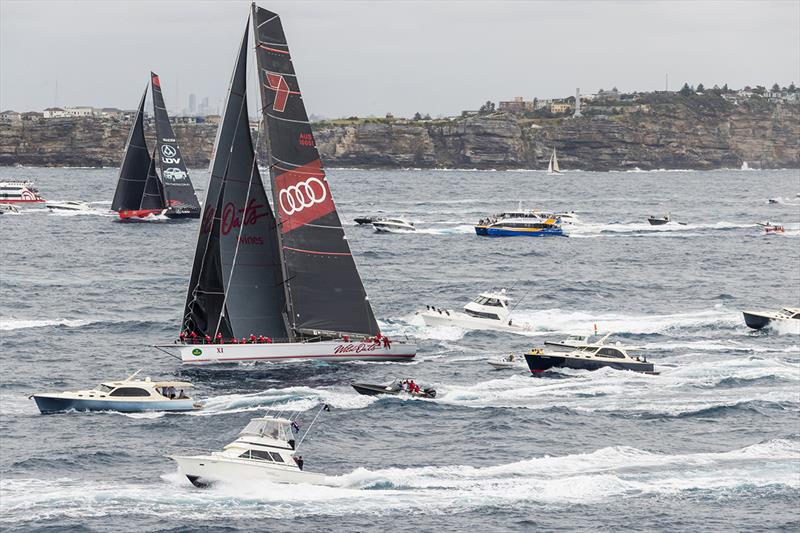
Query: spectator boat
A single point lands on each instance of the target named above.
(68, 205)
(489, 310)
(19, 192)
(760, 319)
(393, 225)
(589, 357)
(126, 396)
(398, 386)
(264, 450)
(521, 223)
(659, 221)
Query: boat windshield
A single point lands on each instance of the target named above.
(274, 429)
(103, 388)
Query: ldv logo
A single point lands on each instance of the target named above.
(278, 84)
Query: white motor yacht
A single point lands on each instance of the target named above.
(490, 310)
(68, 205)
(264, 450)
(393, 225)
(126, 396)
(19, 192)
(759, 319)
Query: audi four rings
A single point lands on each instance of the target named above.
(297, 197)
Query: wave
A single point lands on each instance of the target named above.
(583, 230)
(11, 323)
(603, 475)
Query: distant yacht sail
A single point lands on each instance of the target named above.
(290, 279)
(141, 192)
(179, 196)
(134, 172)
(552, 166)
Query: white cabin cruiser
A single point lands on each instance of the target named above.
(126, 396)
(68, 205)
(393, 225)
(508, 362)
(490, 310)
(759, 319)
(264, 450)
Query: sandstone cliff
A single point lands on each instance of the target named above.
(664, 131)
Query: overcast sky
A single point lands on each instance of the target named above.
(362, 58)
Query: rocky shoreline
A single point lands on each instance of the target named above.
(695, 132)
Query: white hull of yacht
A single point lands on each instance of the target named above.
(204, 470)
(463, 320)
(204, 354)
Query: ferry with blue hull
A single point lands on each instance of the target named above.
(520, 226)
(126, 396)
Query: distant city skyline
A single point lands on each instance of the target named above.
(359, 58)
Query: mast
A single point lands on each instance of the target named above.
(178, 189)
(135, 165)
(324, 293)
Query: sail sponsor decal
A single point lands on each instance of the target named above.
(277, 83)
(156, 81)
(197, 352)
(303, 196)
(174, 174)
(233, 217)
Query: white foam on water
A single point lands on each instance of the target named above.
(784, 327)
(12, 323)
(286, 399)
(594, 229)
(605, 474)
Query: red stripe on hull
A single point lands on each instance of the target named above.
(139, 213)
(6, 201)
(274, 358)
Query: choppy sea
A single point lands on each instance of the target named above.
(712, 443)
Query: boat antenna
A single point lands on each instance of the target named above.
(324, 407)
(133, 375)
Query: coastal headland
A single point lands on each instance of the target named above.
(647, 131)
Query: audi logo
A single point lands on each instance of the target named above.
(297, 197)
(168, 151)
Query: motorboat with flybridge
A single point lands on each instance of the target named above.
(393, 225)
(141, 192)
(521, 223)
(589, 357)
(281, 271)
(396, 387)
(126, 396)
(266, 449)
(489, 310)
(19, 192)
(760, 319)
(67, 205)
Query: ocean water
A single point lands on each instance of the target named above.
(711, 443)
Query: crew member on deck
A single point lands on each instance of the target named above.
(207, 339)
(182, 337)
(252, 339)
(193, 336)
(219, 338)
(386, 343)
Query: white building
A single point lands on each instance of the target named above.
(68, 112)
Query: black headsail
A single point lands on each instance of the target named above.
(236, 285)
(135, 166)
(323, 289)
(178, 190)
(153, 194)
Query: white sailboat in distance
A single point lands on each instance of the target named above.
(552, 166)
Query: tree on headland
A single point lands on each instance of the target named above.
(792, 89)
(700, 88)
(776, 88)
(417, 116)
(486, 108)
(725, 88)
(685, 90)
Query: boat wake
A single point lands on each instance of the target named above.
(11, 323)
(638, 229)
(603, 475)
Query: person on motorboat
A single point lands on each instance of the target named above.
(299, 460)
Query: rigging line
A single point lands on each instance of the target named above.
(519, 301)
(322, 407)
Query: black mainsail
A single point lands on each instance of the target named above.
(324, 293)
(179, 194)
(236, 284)
(136, 164)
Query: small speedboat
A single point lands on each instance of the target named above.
(769, 227)
(489, 310)
(8, 208)
(507, 362)
(398, 386)
(590, 357)
(760, 319)
(659, 221)
(126, 396)
(67, 206)
(364, 220)
(393, 225)
(264, 450)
